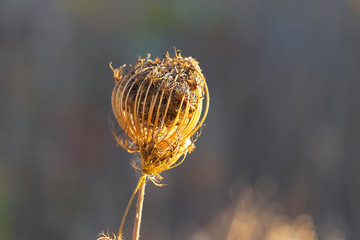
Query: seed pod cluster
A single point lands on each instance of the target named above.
(159, 105)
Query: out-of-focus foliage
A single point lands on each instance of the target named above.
(253, 214)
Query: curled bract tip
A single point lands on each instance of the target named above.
(103, 236)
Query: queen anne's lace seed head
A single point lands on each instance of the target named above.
(159, 105)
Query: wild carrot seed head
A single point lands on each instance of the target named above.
(159, 105)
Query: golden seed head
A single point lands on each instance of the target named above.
(159, 105)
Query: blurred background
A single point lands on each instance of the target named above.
(278, 158)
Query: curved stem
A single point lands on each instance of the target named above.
(141, 180)
(139, 207)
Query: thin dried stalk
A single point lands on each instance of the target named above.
(141, 181)
(139, 207)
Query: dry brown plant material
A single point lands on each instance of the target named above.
(159, 106)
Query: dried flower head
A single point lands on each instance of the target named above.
(159, 105)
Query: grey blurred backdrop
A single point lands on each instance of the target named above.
(284, 80)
